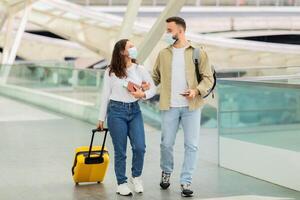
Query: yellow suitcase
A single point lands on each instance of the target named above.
(91, 162)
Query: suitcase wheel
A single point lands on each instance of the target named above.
(98, 182)
(76, 183)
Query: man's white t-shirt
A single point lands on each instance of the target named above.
(178, 83)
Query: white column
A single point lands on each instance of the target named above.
(2, 25)
(129, 19)
(154, 35)
(6, 48)
(257, 2)
(7, 42)
(3, 20)
(20, 32)
(154, 3)
(11, 46)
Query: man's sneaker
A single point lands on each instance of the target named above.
(124, 190)
(137, 184)
(186, 190)
(165, 180)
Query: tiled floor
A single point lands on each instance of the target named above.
(37, 149)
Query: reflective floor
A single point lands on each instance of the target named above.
(37, 149)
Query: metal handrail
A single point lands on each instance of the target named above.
(44, 65)
(263, 82)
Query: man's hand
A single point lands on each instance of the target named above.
(138, 94)
(145, 86)
(192, 93)
(100, 125)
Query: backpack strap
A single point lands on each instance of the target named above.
(197, 60)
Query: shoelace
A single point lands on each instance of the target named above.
(165, 177)
(186, 186)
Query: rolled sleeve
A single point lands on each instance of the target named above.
(152, 90)
(156, 71)
(106, 91)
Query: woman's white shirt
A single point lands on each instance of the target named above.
(114, 87)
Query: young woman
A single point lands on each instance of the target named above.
(124, 81)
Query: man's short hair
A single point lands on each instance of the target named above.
(178, 21)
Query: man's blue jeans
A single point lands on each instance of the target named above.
(125, 120)
(190, 121)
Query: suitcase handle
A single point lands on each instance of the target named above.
(94, 160)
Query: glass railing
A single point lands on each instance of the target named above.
(265, 112)
(241, 72)
(62, 79)
(66, 81)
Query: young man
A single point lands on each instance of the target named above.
(180, 100)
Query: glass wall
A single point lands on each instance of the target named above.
(263, 112)
(258, 124)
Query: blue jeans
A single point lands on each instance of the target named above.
(125, 120)
(190, 121)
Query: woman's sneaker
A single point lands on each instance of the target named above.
(186, 190)
(124, 190)
(165, 180)
(137, 184)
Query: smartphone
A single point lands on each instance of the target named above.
(185, 94)
(130, 86)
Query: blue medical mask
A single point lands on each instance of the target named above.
(170, 39)
(132, 53)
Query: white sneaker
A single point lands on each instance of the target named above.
(137, 184)
(124, 190)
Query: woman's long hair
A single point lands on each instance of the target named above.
(118, 63)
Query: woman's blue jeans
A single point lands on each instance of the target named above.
(125, 120)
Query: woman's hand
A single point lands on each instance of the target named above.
(145, 85)
(100, 125)
(138, 94)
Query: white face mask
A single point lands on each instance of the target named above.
(132, 53)
(170, 39)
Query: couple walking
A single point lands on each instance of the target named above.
(181, 98)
